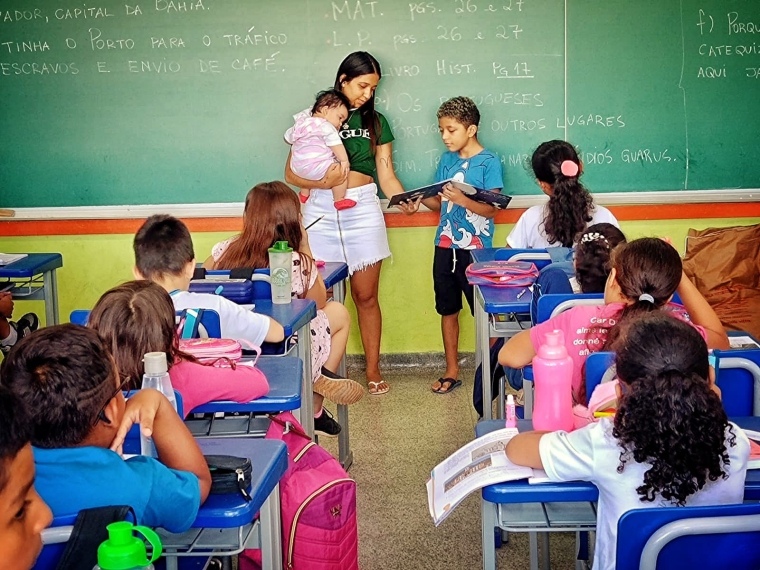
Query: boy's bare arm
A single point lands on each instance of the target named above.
(455, 195)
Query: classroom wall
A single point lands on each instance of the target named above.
(94, 263)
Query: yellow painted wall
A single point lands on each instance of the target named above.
(93, 264)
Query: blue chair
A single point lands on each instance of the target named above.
(597, 363)
(725, 536)
(540, 257)
(552, 305)
(209, 321)
(738, 377)
(79, 317)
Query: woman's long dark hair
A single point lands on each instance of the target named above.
(356, 64)
(669, 416)
(135, 318)
(593, 256)
(570, 205)
(272, 213)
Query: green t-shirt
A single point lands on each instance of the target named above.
(356, 141)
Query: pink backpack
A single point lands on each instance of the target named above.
(318, 503)
(502, 273)
(221, 352)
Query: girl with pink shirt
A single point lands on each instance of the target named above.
(138, 317)
(645, 275)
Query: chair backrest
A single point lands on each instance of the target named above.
(738, 377)
(540, 257)
(552, 305)
(79, 317)
(597, 363)
(210, 323)
(724, 536)
(54, 541)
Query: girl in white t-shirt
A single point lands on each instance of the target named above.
(570, 209)
(669, 445)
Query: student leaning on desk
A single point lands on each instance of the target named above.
(69, 383)
(670, 443)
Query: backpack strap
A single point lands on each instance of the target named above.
(189, 321)
(89, 532)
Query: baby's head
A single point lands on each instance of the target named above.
(458, 120)
(23, 514)
(332, 106)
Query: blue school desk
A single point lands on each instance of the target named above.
(33, 279)
(494, 301)
(225, 524)
(518, 506)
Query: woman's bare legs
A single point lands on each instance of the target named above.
(364, 291)
(340, 321)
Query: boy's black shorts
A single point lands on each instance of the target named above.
(449, 280)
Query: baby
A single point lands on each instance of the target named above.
(317, 144)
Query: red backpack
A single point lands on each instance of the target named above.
(318, 503)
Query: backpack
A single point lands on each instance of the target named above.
(220, 352)
(502, 273)
(318, 505)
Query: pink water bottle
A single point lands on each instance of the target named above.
(553, 379)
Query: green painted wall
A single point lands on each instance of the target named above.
(93, 264)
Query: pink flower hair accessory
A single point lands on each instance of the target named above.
(569, 168)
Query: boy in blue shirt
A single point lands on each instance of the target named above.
(23, 514)
(70, 386)
(465, 224)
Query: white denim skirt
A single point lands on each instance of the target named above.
(356, 237)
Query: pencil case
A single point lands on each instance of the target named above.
(229, 475)
(238, 291)
(502, 273)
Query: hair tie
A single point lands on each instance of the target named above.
(588, 237)
(646, 297)
(569, 168)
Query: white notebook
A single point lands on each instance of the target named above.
(8, 258)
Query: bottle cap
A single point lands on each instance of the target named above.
(280, 247)
(123, 550)
(554, 346)
(510, 400)
(155, 363)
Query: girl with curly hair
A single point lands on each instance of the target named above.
(644, 276)
(570, 208)
(669, 445)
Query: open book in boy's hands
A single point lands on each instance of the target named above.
(480, 463)
(496, 199)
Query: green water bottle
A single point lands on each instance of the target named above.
(280, 271)
(124, 551)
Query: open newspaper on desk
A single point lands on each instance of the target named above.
(480, 463)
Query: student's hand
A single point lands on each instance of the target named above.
(453, 194)
(6, 304)
(333, 177)
(142, 409)
(410, 207)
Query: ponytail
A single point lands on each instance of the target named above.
(669, 417)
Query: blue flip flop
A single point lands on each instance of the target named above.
(452, 385)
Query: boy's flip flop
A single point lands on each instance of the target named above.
(447, 385)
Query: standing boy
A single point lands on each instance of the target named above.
(465, 224)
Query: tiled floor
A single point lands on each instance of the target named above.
(397, 438)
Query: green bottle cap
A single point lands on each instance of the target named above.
(123, 550)
(280, 247)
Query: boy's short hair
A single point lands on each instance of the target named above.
(163, 246)
(64, 376)
(15, 431)
(330, 98)
(461, 109)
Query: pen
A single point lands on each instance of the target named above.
(314, 222)
(603, 414)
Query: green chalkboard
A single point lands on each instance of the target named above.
(186, 101)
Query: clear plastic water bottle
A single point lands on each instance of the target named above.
(124, 551)
(280, 271)
(553, 384)
(156, 376)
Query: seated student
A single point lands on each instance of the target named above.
(138, 317)
(669, 445)
(645, 274)
(23, 514)
(570, 208)
(164, 254)
(10, 331)
(273, 213)
(70, 385)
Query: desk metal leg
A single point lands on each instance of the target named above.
(488, 522)
(482, 347)
(50, 295)
(271, 532)
(345, 455)
(306, 412)
(528, 395)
